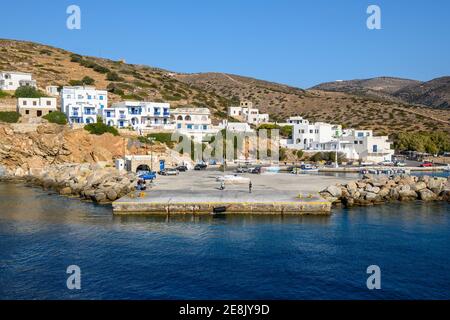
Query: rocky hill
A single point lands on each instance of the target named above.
(217, 91)
(434, 93)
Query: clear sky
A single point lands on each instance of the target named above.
(301, 43)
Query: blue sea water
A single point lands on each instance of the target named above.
(235, 257)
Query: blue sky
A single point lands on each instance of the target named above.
(301, 43)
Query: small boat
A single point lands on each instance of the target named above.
(305, 168)
(447, 168)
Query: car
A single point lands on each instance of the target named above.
(241, 170)
(169, 172)
(367, 164)
(426, 164)
(182, 168)
(386, 163)
(146, 175)
(255, 170)
(400, 164)
(200, 166)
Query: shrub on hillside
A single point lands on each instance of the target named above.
(113, 76)
(3, 94)
(56, 117)
(100, 128)
(28, 92)
(9, 116)
(88, 80)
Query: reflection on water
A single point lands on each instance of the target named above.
(219, 257)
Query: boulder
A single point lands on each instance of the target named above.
(419, 186)
(65, 191)
(370, 196)
(335, 191)
(111, 195)
(427, 195)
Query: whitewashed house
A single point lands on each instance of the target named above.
(52, 90)
(324, 137)
(139, 115)
(11, 80)
(247, 113)
(241, 127)
(82, 104)
(193, 122)
(35, 107)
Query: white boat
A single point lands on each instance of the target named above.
(305, 168)
(447, 168)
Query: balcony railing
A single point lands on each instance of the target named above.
(122, 116)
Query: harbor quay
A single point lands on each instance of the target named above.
(199, 192)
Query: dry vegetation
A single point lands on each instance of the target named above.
(216, 90)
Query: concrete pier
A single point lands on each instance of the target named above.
(197, 192)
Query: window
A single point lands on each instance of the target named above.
(27, 111)
(34, 103)
(179, 126)
(205, 127)
(360, 142)
(317, 131)
(310, 131)
(48, 102)
(89, 97)
(100, 97)
(24, 103)
(356, 142)
(187, 118)
(360, 134)
(180, 118)
(189, 126)
(375, 148)
(39, 113)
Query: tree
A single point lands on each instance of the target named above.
(28, 92)
(9, 116)
(56, 117)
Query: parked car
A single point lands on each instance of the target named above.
(241, 170)
(169, 172)
(255, 170)
(200, 166)
(367, 164)
(146, 175)
(400, 164)
(182, 168)
(426, 164)
(386, 163)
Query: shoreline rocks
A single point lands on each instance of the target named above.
(86, 181)
(372, 190)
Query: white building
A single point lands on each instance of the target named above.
(139, 115)
(193, 122)
(35, 107)
(52, 90)
(324, 137)
(82, 104)
(307, 135)
(11, 80)
(245, 112)
(241, 127)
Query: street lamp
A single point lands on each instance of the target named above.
(151, 139)
(336, 136)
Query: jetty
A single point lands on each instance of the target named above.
(198, 192)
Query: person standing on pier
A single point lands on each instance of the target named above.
(250, 187)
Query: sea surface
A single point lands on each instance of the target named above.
(235, 257)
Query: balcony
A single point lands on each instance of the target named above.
(122, 116)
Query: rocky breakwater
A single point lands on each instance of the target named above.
(380, 189)
(86, 181)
